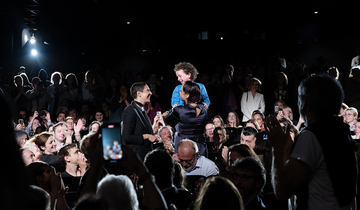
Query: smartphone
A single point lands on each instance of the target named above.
(21, 121)
(158, 113)
(111, 140)
(276, 108)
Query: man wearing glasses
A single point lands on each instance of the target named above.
(249, 178)
(192, 162)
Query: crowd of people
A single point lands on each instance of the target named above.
(190, 141)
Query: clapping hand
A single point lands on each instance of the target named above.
(278, 138)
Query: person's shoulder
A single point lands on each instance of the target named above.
(129, 108)
(200, 84)
(206, 161)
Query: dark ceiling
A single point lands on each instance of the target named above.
(78, 27)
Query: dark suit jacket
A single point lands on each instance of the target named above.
(181, 198)
(135, 124)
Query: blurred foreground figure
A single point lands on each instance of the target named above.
(321, 168)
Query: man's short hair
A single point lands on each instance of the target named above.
(161, 165)
(253, 164)
(248, 131)
(63, 152)
(324, 95)
(59, 124)
(192, 144)
(187, 68)
(125, 198)
(85, 143)
(61, 112)
(137, 86)
(165, 126)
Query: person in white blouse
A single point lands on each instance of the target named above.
(252, 100)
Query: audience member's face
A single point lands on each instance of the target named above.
(245, 182)
(50, 146)
(248, 140)
(21, 140)
(123, 90)
(74, 156)
(165, 135)
(59, 133)
(255, 86)
(18, 82)
(35, 149)
(73, 113)
(56, 79)
(218, 136)
(259, 120)
(182, 77)
(209, 130)
(357, 127)
(153, 78)
(95, 127)
(85, 109)
(232, 117)
(45, 179)
(70, 124)
(217, 122)
(99, 116)
(28, 157)
(349, 116)
(287, 114)
(23, 114)
(233, 155)
(188, 157)
(35, 124)
(61, 117)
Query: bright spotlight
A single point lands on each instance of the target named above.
(32, 40)
(34, 52)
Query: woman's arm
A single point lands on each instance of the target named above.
(172, 117)
(244, 105)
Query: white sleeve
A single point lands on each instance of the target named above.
(244, 105)
(262, 104)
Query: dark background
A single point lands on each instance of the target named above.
(95, 34)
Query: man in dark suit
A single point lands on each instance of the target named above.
(137, 129)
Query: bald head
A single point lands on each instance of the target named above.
(187, 144)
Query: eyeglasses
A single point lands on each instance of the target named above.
(348, 114)
(187, 161)
(231, 115)
(243, 177)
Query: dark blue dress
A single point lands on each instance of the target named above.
(188, 125)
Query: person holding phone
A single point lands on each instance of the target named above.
(137, 130)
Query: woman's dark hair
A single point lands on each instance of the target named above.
(237, 119)
(75, 83)
(193, 90)
(259, 113)
(35, 169)
(220, 118)
(40, 139)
